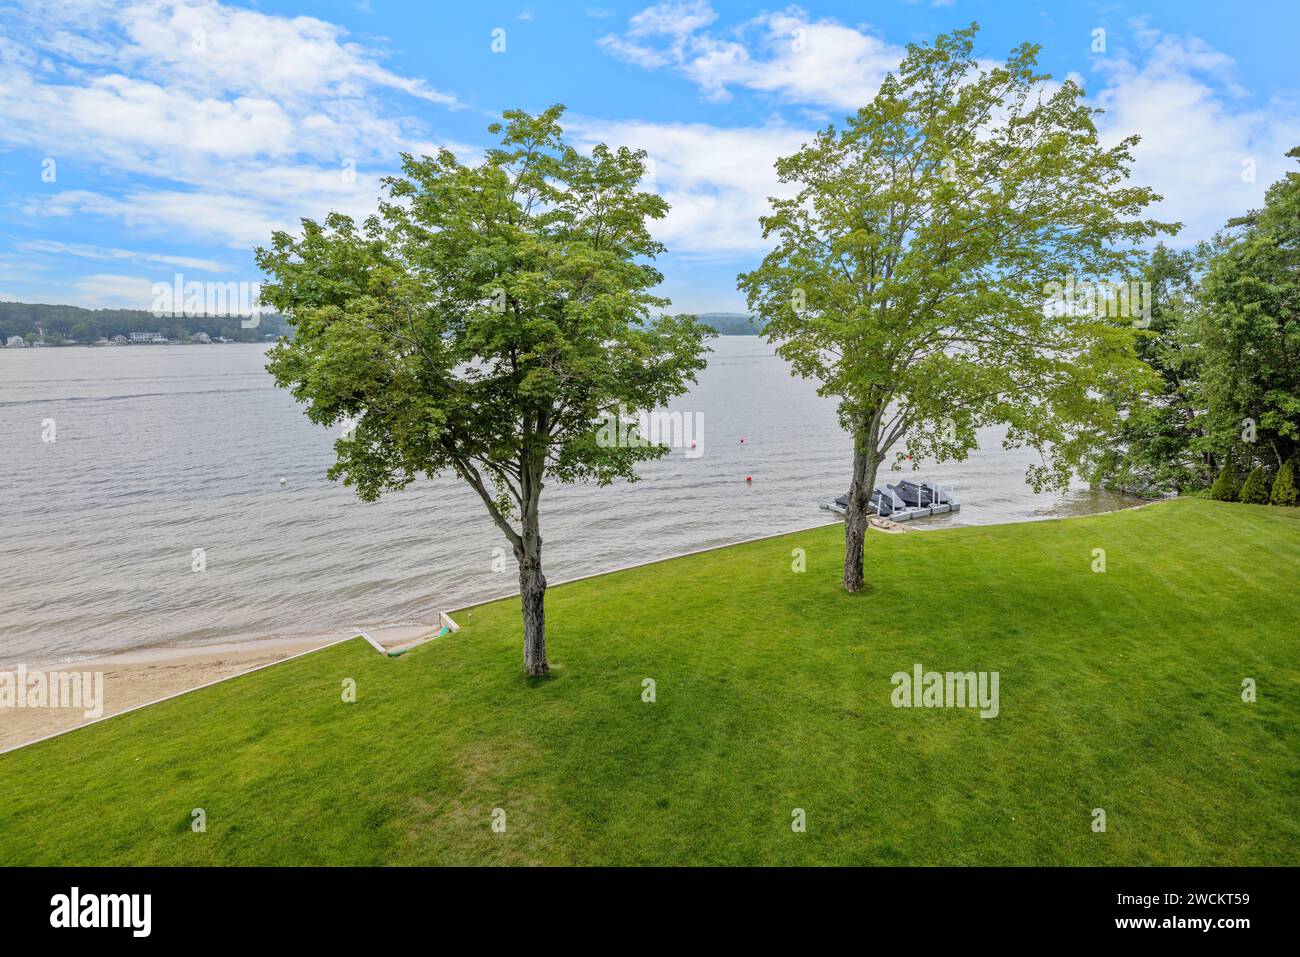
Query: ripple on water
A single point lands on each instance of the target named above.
(164, 450)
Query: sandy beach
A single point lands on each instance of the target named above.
(139, 677)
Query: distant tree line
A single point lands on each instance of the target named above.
(730, 323)
(58, 324)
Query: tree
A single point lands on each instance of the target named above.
(1251, 330)
(483, 323)
(1254, 491)
(1224, 488)
(1284, 490)
(1160, 441)
(911, 267)
(1225, 338)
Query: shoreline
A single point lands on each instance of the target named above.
(133, 679)
(140, 677)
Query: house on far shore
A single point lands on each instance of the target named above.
(149, 337)
(16, 342)
(119, 340)
(201, 337)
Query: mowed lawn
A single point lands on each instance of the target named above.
(1118, 690)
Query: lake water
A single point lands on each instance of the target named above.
(162, 450)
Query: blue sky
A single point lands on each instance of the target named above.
(142, 139)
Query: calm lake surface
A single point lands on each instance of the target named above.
(161, 450)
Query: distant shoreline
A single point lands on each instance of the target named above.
(227, 342)
(117, 345)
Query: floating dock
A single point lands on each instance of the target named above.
(904, 501)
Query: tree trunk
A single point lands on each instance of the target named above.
(865, 463)
(532, 595)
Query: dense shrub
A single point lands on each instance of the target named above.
(1254, 491)
(1224, 488)
(1284, 490)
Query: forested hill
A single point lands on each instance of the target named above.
(730, 323)
(59, 323)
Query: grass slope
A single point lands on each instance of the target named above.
(1118, 690)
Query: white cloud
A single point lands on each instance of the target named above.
(276, 118)
(204, 45)
(787, 54)
(114, 291)
(139, 125)
(17, 269)
(716, 180)
(1198, 131)
(245, 121)
(216, 216)
(87, 251)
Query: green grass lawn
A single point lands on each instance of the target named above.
(1119, 691)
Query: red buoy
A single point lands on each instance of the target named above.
(749, 478)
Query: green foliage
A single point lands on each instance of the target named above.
(773, 692)
(909, 272)
(1224, 339)
(1154, 448)
(484, 322)
(1224, 488)
(1251, 330)
(1284, 489)
(1254, 491)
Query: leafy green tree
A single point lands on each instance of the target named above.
(1224, 488)
(1159, 443)
(1284, 490)
(1251, 331)
(1254, 491)
(911, 268)
(485, 323)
